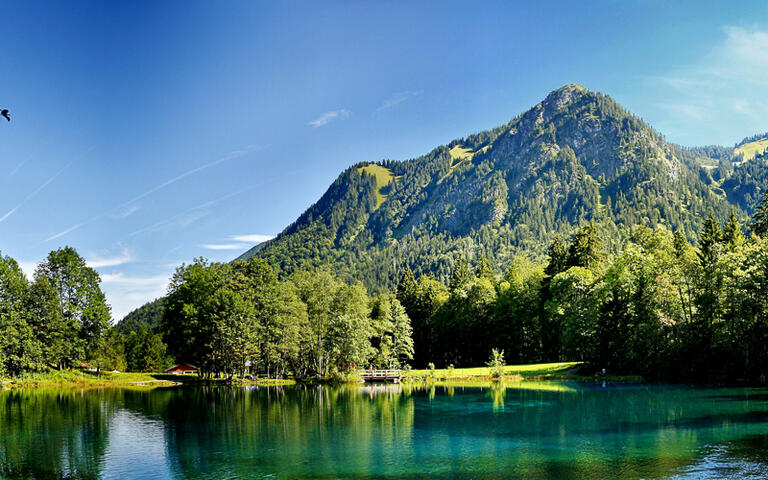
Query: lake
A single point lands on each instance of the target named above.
(528, 430)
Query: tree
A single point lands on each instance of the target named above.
(83, 303)
(338, 318)
(392, 332)
(235, 331)
(732, 235)
(586, 249)
(188, 321)
(709, 238)
(460, 276)
(111, 353)
(573, 307)
(708, 297)
(517, 317)
(145, 351)
(421, 305)
(484, 269)
(558, 257)
(56, 332)
(759, 225)
(19, 350)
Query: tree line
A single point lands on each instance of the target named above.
(660, 307)
(54, 321)
(226, 317)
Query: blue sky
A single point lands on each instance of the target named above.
(145, 134)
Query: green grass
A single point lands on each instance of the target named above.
(461, 153)
(750, 150)
(383, 177)
(524, 371)
(76, 378)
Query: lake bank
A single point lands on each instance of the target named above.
(512, 373)
(82, 379)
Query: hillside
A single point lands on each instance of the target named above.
(577, 156)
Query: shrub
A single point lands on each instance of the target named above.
(496, 364)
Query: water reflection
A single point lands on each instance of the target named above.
(528, 429)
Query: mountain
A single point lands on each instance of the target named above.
(577, 156)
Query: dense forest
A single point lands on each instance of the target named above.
(222, 317)
(660, 307)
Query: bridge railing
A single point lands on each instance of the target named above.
(382, 374)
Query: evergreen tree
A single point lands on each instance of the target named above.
(558, 257)
(759, 225)
(460, 276)
(484, 269)
(586, 249)
(709, 239)
(732, 235)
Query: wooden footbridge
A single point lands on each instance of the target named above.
(381, 375)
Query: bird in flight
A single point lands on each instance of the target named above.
(5, 114)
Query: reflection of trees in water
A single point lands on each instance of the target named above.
(393, 430)
(268, 429)
(52, 434)
(575, 432)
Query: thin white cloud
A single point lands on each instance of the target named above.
(18, 167)
(328, 117)
(239, 242)
(34, 192)
(191, 214)
(225, 246)
(68, 230)
(721, 95)
(128, 211)
(99, 262)
(251, 238)
(126, 292)
(397, 99)
(230, 156)
(122, 279)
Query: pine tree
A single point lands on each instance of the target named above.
(732, 236)
(759, 224)
(484, 269)
(681, 244)
(407, 285)
(558, 256)
(709, 237)
(460, 276)
(586, 249)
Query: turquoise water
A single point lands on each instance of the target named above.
(527, 430)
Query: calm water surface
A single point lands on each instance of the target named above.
(528, 430)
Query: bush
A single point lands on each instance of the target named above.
(496, 364)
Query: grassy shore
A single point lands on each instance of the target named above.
(538, 371)
(76, 378)
(516, 373)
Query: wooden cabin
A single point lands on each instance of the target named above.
(182, 368)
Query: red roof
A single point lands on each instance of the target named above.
(182, 367)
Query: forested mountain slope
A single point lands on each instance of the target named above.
(577, 156)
